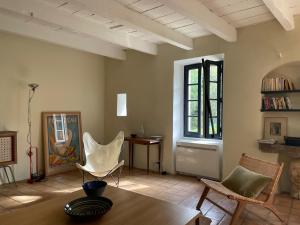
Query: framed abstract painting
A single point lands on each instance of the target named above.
(62, 134)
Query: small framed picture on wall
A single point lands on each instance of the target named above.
(275, 128)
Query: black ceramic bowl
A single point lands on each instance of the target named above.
(94, 188)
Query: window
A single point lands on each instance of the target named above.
(203, 98)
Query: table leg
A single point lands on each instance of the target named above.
(129, 155)
(82, 176)
(132, 155)
(159, 157)
(148, 149)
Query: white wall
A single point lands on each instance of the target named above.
(148, 80)
(178, 102)
(69, 80)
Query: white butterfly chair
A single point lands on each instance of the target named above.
(102, 160)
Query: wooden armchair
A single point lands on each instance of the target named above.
(266, 168)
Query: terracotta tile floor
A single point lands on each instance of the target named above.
(182, 190)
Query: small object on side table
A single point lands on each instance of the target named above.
(157, 137)
(292, 141)
(133, 135)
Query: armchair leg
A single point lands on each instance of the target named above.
(82, 176)
(197, 221)
(274, 211)
(119, 174)
(116, 179)
(236, 215)
(202, 198)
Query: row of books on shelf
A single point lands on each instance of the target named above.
(277, 84)
(275, 103)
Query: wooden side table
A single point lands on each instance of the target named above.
(145, 141)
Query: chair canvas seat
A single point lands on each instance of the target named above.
(102, 160)
(220, 188)
(98, 173)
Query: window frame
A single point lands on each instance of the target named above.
(187, 68)
(218, 132)
(204, 71)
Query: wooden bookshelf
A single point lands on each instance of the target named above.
(278, 148)
(280, 110)
(281, 92)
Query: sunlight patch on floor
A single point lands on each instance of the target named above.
(125, 182)
(133, 186)
(26, 198)
(68, 190)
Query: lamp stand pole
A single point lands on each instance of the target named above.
(33, 177)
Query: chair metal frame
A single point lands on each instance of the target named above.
(273, 170)
(110, 173)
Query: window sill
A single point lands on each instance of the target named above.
(200, 143)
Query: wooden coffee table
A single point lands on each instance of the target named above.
(129, 208)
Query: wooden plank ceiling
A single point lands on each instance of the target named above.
(163, 24)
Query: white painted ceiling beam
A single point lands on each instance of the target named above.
(125, 16)
(47, 13)
(88, 44)
(196, 11)
(282, 12)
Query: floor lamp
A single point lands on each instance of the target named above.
(33, 177)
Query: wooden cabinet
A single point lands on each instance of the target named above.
(8, 148)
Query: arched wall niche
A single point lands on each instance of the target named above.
(289, 70)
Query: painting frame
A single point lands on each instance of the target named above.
(275, 128)
(76, 132)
